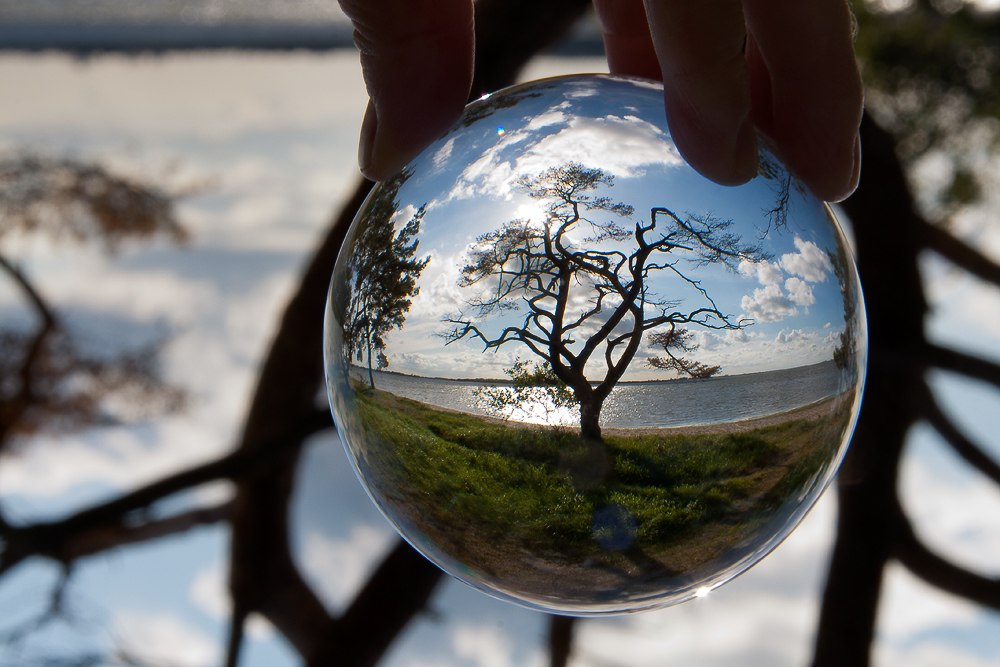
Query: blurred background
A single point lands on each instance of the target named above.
(171, 489)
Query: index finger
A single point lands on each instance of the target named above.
(706, 85)
(417, 58)
(816, 98)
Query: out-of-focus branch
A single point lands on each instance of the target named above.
(263, 576)
(12, 409)
(960, 362)
(968, 258)
(884, 217)
(80, 534)
(560, 640)
(396, 592)
(44, 312)
(939, 572)
(964, 447)
(118, 535)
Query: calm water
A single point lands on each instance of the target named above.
(661, 403)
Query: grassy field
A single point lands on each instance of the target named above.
(506, 499)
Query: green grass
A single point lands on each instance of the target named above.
(475, 483)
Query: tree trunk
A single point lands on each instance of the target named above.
(371, 378)
(590, 416)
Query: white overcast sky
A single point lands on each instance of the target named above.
(274, 137)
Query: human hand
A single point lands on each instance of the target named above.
(783, 67)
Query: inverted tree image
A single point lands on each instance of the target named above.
(574, 257)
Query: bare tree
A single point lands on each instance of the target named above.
(538, 267)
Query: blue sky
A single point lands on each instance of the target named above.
(467, 182)
(273, 138)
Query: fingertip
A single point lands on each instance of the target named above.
(722, 155)
(836, 184)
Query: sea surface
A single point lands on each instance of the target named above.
(657, 404)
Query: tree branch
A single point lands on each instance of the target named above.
(967, 258)
(54, 538)
(109, 537)
(560, 640)
(396, 592)
(935, 570)
(960, 362)
(964, 447)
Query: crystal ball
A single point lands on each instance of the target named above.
(577, 375)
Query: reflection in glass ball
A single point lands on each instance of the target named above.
(577, 375)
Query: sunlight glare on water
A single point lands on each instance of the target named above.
(577, 375)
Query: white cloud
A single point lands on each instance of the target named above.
(766, 273)
(546, 119)
(439, 293)
(164, 638)
(800, 292)
(444, 153)
(620, 146)
(809, 262)
(768, 304)
(339, 567)
(789, 337)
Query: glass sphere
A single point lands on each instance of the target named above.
(576, 374)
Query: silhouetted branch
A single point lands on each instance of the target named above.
(57, 539)
(969, 365)
(969, 259)
(939, 572)
(114, 536)
(263, 576)
(396, 592)
(237, 627)
(560, 640)
(964, 447)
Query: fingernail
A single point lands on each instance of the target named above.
(366, 145)
(856, 176)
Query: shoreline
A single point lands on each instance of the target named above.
(809, 412)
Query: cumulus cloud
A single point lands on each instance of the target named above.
(544, 120)
(439, 293)
(766, 273)
(799, 292)
(810, 263)
(768, 304)
(792, 336)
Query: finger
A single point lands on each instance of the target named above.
(417, 58)
(706, 86)
(808, 95)
(627, 42)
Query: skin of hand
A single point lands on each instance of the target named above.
(730, 68)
